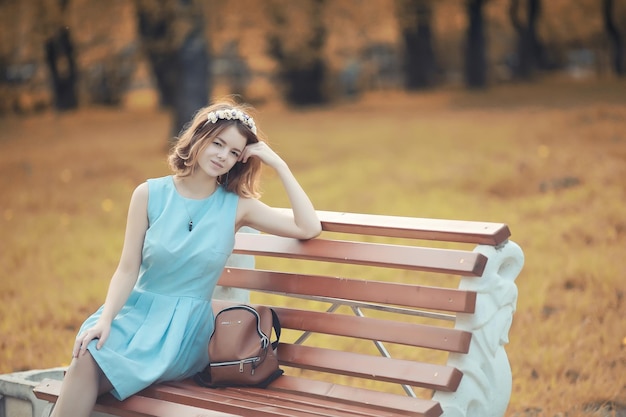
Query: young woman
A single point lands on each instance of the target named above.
(157, 318)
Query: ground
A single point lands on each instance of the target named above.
(548, 159)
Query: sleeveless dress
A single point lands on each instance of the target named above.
(162, 332)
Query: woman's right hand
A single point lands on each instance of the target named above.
(99, 331)
(262, 151)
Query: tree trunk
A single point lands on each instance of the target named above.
(617, 42)
(419, 56)
(62, 65)
(193, 88)
(475, 48)
(303, 71)
(153, 32)
(528, 45)
(180, 61)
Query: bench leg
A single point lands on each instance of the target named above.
(47, 410)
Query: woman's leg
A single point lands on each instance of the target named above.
(82, 384)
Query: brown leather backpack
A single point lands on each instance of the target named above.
(240, 351)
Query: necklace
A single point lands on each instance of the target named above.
(190, 224)
(197, 206)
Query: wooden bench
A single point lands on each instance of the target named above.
(381, 316)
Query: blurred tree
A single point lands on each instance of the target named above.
(107, 80)
(296, 41)
(617, 42)
(236, 68)
(529, 48)
(175, 43)
(475, 46)
(415, 21)
(60, 55)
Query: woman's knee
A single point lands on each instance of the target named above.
(84, 366)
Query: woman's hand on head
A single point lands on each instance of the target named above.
(99, 331)
(262, 151)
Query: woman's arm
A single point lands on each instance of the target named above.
(301, 223)
(125, 276)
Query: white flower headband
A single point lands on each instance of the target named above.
(231, 114)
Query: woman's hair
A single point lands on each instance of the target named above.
(204, 127)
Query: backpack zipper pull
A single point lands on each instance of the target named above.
(241, 366)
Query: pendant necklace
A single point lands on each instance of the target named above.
(190, 224)
(201, 205)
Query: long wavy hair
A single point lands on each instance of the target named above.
(242, 179)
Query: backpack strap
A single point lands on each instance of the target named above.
(277, 328)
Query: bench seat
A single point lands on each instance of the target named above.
(288, 396)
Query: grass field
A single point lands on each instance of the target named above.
(547, 159)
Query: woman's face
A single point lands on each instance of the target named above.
(222, 152)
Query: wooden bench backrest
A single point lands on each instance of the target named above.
(356, 293)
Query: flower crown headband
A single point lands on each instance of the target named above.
(231, 114)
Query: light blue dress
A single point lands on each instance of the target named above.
(162, 332)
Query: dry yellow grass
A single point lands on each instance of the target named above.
(548, 159)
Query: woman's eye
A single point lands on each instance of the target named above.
(216, 143)
(236, 154)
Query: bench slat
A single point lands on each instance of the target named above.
(433, 337)
(447, 261)
(397, 371)
(343, 393)
(415, 228)
(138, 406)
(176, 399)
(444, 299)
(333, 396)
(246, 401)
(135, 406)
